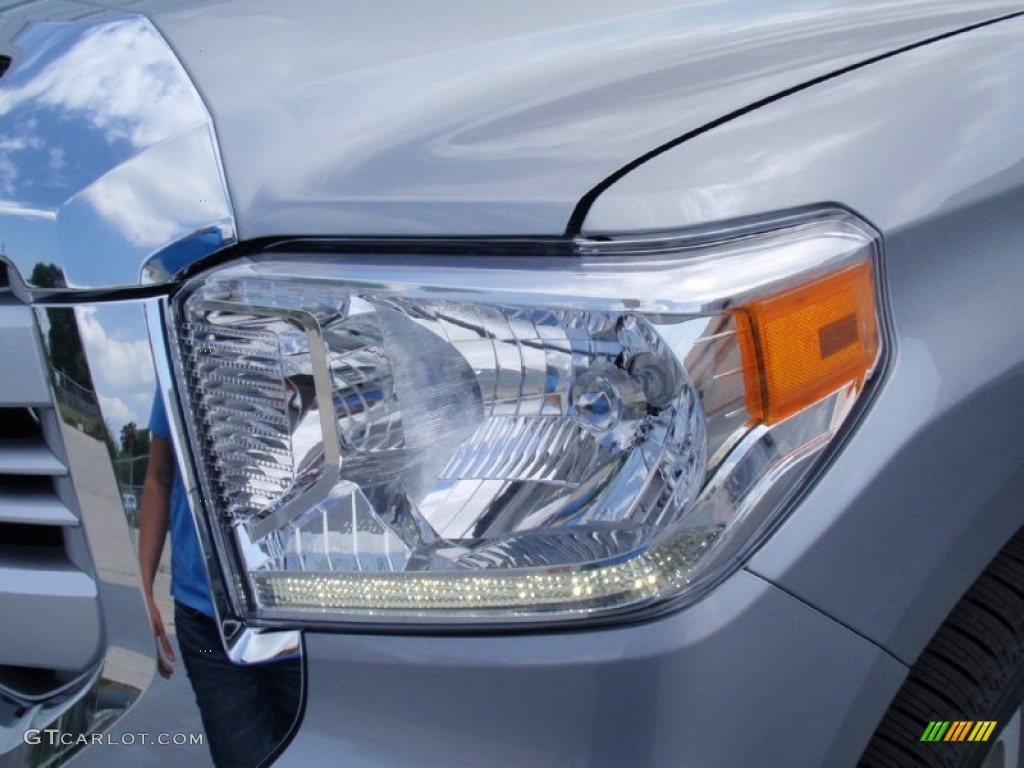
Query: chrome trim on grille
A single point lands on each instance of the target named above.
(53, 634)
(34, 507)
(42, 588)
(24, 383)
(70, 711)
(134, 192)
(28, 457)
(97, 561)
(139, 195)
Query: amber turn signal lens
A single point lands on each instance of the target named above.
(807, 342)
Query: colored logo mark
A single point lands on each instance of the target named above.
(959, 730)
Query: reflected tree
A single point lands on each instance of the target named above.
(65, 344)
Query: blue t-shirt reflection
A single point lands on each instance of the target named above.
(188, 573)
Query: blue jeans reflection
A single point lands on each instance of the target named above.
(246, 710)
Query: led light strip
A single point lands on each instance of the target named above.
(643, 577)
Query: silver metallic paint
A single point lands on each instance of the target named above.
(928, 147)
(705, 687)
(386, 119)
(451, 148)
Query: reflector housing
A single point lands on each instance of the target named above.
(514, 439)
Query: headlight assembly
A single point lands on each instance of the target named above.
(493, 440)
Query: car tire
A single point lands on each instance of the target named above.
(972, 670)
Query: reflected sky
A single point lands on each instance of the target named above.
(116, 343)
(117, 347)
(106, 151)
(74, 109)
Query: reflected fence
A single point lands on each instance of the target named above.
(83, 411)
(78, 404)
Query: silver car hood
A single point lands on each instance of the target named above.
(390, 118)
(410, 118)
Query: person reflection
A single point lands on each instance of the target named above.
(246, 710)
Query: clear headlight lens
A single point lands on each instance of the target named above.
(501, 439)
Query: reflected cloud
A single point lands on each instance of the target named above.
(117, 413)
(115, 342)
(121, 360)
(14, 209)
(104, 135)
(21, 142)
(9, 170)
(105, 75)
(8, 173)
(159, 195)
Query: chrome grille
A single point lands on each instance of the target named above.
(39, 521)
